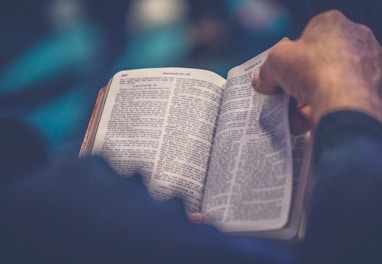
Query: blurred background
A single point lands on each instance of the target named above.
(56, 54)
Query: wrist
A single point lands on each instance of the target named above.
(351, 98)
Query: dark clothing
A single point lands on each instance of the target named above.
(346, 216)
(83, 212)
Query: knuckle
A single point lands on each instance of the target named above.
(329, 16)
(333, 13)
(366, 30)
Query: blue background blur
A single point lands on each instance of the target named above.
(56, 54)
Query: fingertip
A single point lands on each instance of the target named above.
(195, 217)
(255, 81)
(264, 85)
(263, 88)
(258, 85)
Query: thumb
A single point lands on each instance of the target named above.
(273, 72)
(264, 85)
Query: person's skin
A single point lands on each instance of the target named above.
(336, 64)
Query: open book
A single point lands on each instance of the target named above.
(226, 150)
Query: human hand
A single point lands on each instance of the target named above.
(300, 117)
(195, 217)
(335, 64)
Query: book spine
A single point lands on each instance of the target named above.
(91, 121)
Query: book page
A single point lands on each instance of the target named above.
(301, 190)
(250, 178)
(160, 123)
